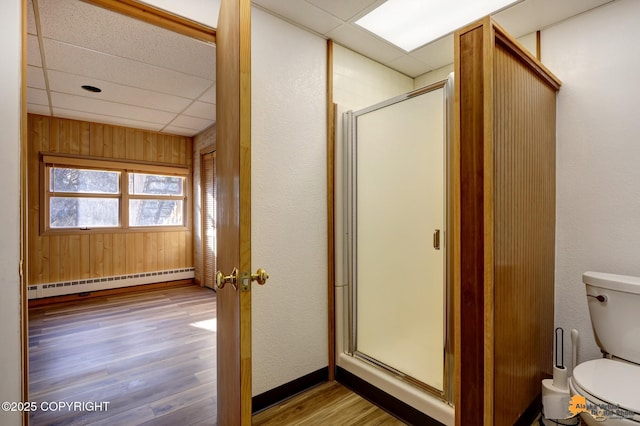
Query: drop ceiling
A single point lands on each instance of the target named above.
(335, 19)
(158, 80)
(150, 78)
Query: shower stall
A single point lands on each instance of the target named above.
(394, 317)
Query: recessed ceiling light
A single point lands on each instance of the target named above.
(93, 89)
(410, 24)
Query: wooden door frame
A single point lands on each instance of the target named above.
(24, 210)
(331, 228)
(133, 9)
(233, 138)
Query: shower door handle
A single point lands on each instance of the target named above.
(436, 239)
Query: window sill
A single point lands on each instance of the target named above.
(135, 230)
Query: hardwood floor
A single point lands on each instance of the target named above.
(330, 404)
(150, 355)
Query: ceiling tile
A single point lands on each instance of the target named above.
(532, 15)
(80, 61)
(37, 96)
(82, 24)
(35, 77)
(98, 118)
(209, 96)
(31, 19)
(191, 122)
(175, 130)
(113, 109)
(345, 9)
(366, 43)
(33, 51)
(437, 54)
(202, 110)
(410, 66)
(71, 84)
(302, 13)
(38, 109)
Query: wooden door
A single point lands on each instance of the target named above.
(233, 69)
(208, 172)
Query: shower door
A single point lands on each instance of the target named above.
(397, 226)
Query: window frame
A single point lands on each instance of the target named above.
(124, 168)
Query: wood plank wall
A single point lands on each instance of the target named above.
(524, 153)
(54, 258)
(505, 195)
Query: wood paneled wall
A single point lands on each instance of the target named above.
(505, 115)
(524, 233)
(54, 258)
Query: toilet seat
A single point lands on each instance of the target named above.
(610, 382)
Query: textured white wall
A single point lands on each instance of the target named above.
(10, 69)
(359, 82)
(433, 76)
(289, 198)
(598, 155)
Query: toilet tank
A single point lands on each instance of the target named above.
(616, 316)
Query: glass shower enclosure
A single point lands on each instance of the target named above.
(397, 246)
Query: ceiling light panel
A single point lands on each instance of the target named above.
(410, 24)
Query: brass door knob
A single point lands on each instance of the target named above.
(222, 279)
(260, 276)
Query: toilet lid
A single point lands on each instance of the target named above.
(616, 382)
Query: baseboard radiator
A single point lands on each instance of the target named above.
(62, 288)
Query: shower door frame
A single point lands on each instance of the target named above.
(447, 394)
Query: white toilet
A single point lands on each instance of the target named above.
(613, 381)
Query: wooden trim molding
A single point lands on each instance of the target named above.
(101, 163)
(158, 17)
(515, 48)
(331, 248)
(24, 222)
(470, 263)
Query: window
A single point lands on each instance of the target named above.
(80, 198)
(155, 200)
(82, 194)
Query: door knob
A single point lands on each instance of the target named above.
(260, 276)
(222, 279)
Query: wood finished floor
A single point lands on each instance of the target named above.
(150, 355)
(330, 404)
